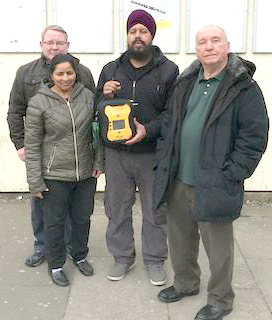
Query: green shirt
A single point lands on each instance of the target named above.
(192, 126)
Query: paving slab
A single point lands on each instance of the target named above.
(254, 237)
(33, 302)
(261, 271)
(29, 294)
(98, 298)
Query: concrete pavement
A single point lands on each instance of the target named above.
(28, 294)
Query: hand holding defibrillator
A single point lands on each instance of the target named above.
(117, 117)
(111, 87)
(140, 133)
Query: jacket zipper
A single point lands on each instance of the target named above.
(50, 162)
(133, 90)
(75, 139)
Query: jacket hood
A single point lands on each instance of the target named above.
(250, 66)
(237, 67)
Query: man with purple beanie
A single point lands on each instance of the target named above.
(145, 76)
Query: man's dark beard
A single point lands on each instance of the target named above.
(140, 55)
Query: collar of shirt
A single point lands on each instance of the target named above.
(219, 77)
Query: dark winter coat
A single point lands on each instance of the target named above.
(233, 140)
(58, 138)
(150, 91)
(27, 82)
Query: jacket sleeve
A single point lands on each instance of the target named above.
(252, 136)
(34, 133)
(99, 90)
(17, 111)
(86, 78)
(99, 158)
(153, 128)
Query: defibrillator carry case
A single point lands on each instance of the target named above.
(116, 120)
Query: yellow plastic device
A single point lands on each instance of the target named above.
(119, 122)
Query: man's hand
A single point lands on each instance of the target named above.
(140, 133)
(38, 195)
(21, 153)
(96, 173)
(111, 87)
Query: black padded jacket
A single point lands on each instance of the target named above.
(149, 89)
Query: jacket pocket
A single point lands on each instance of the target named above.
(33, 80)
(216, 198)
(51, 159)
(32, 84)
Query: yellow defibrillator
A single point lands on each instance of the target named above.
(116, 120)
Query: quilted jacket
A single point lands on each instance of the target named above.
(58, 138)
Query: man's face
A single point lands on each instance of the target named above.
(212, 46)
(139, 39)
(54, 43)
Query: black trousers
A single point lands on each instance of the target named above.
(77, 199)
(37, 217)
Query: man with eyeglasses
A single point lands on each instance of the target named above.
(27, 82)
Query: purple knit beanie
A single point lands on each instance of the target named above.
(144, 18)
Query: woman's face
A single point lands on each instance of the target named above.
(64, 76)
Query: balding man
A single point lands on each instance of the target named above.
(214, 138)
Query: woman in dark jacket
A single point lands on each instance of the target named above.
(62, 166)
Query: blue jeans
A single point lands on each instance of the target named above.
(36, 207)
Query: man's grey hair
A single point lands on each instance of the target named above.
(56, 28)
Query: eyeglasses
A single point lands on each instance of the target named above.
(57, 43)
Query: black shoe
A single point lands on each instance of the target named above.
(59, 278)
(212, 312)
(84, 267)
(36, 259)
(171, 295)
